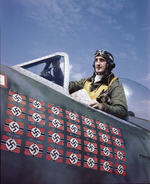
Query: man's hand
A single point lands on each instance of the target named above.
(95, 104)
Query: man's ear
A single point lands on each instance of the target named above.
(94, 64)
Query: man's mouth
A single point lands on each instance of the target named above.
(98, 68)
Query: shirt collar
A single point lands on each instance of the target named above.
(98, 78)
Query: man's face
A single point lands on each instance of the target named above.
(56, 64)
(100, 65)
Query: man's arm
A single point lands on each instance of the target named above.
(118, 107)
(76, 85)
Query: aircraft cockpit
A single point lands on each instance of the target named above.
(51, 70)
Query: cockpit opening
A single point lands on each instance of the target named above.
(51, 69)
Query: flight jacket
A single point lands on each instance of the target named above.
(113, 100)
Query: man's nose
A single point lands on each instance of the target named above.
(98, 62)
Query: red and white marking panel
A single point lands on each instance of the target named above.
(10, 144)
(14, 126)
(3, 81)
(54, 154)
(36, 104)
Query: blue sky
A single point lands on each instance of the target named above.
(34, 28)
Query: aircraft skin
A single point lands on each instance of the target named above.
(47, 137)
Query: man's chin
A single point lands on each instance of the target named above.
(100, 73)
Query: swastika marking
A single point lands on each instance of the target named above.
(17, 98)
(90, 133)
(55, 110)
(106, 166)
(34, 149)
(54, 154)
(36, 132)
(72, 116)
(56, 123)
(118, 142)
(88, 121)
(106, 151)
(37, 104)
(91, 147)
(11, 144)
(56, 138)
(16, 111)
(105, 138)
(73, 158)
(120, 155)
(36, 117)
(90, 162)
(120, 169)
(74, 143)
(115, 131)
(102, 126)
(13, 126)
(73, 128)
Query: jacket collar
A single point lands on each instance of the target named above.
(106, 79)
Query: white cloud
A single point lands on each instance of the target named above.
(128, 37)
(146, 81)
(78, 76)
(55, 14)
(147, 78)
(146, 102)
(132, 16)
(122, 55)
(109, 5)
(70, 68)
(75, 74)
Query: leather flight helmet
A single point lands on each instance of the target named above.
(108, 57)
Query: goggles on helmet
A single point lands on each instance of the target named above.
(104, 54)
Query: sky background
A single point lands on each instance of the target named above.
(35, 28)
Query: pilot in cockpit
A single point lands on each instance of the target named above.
(54, 73)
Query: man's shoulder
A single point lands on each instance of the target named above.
(116, 83)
